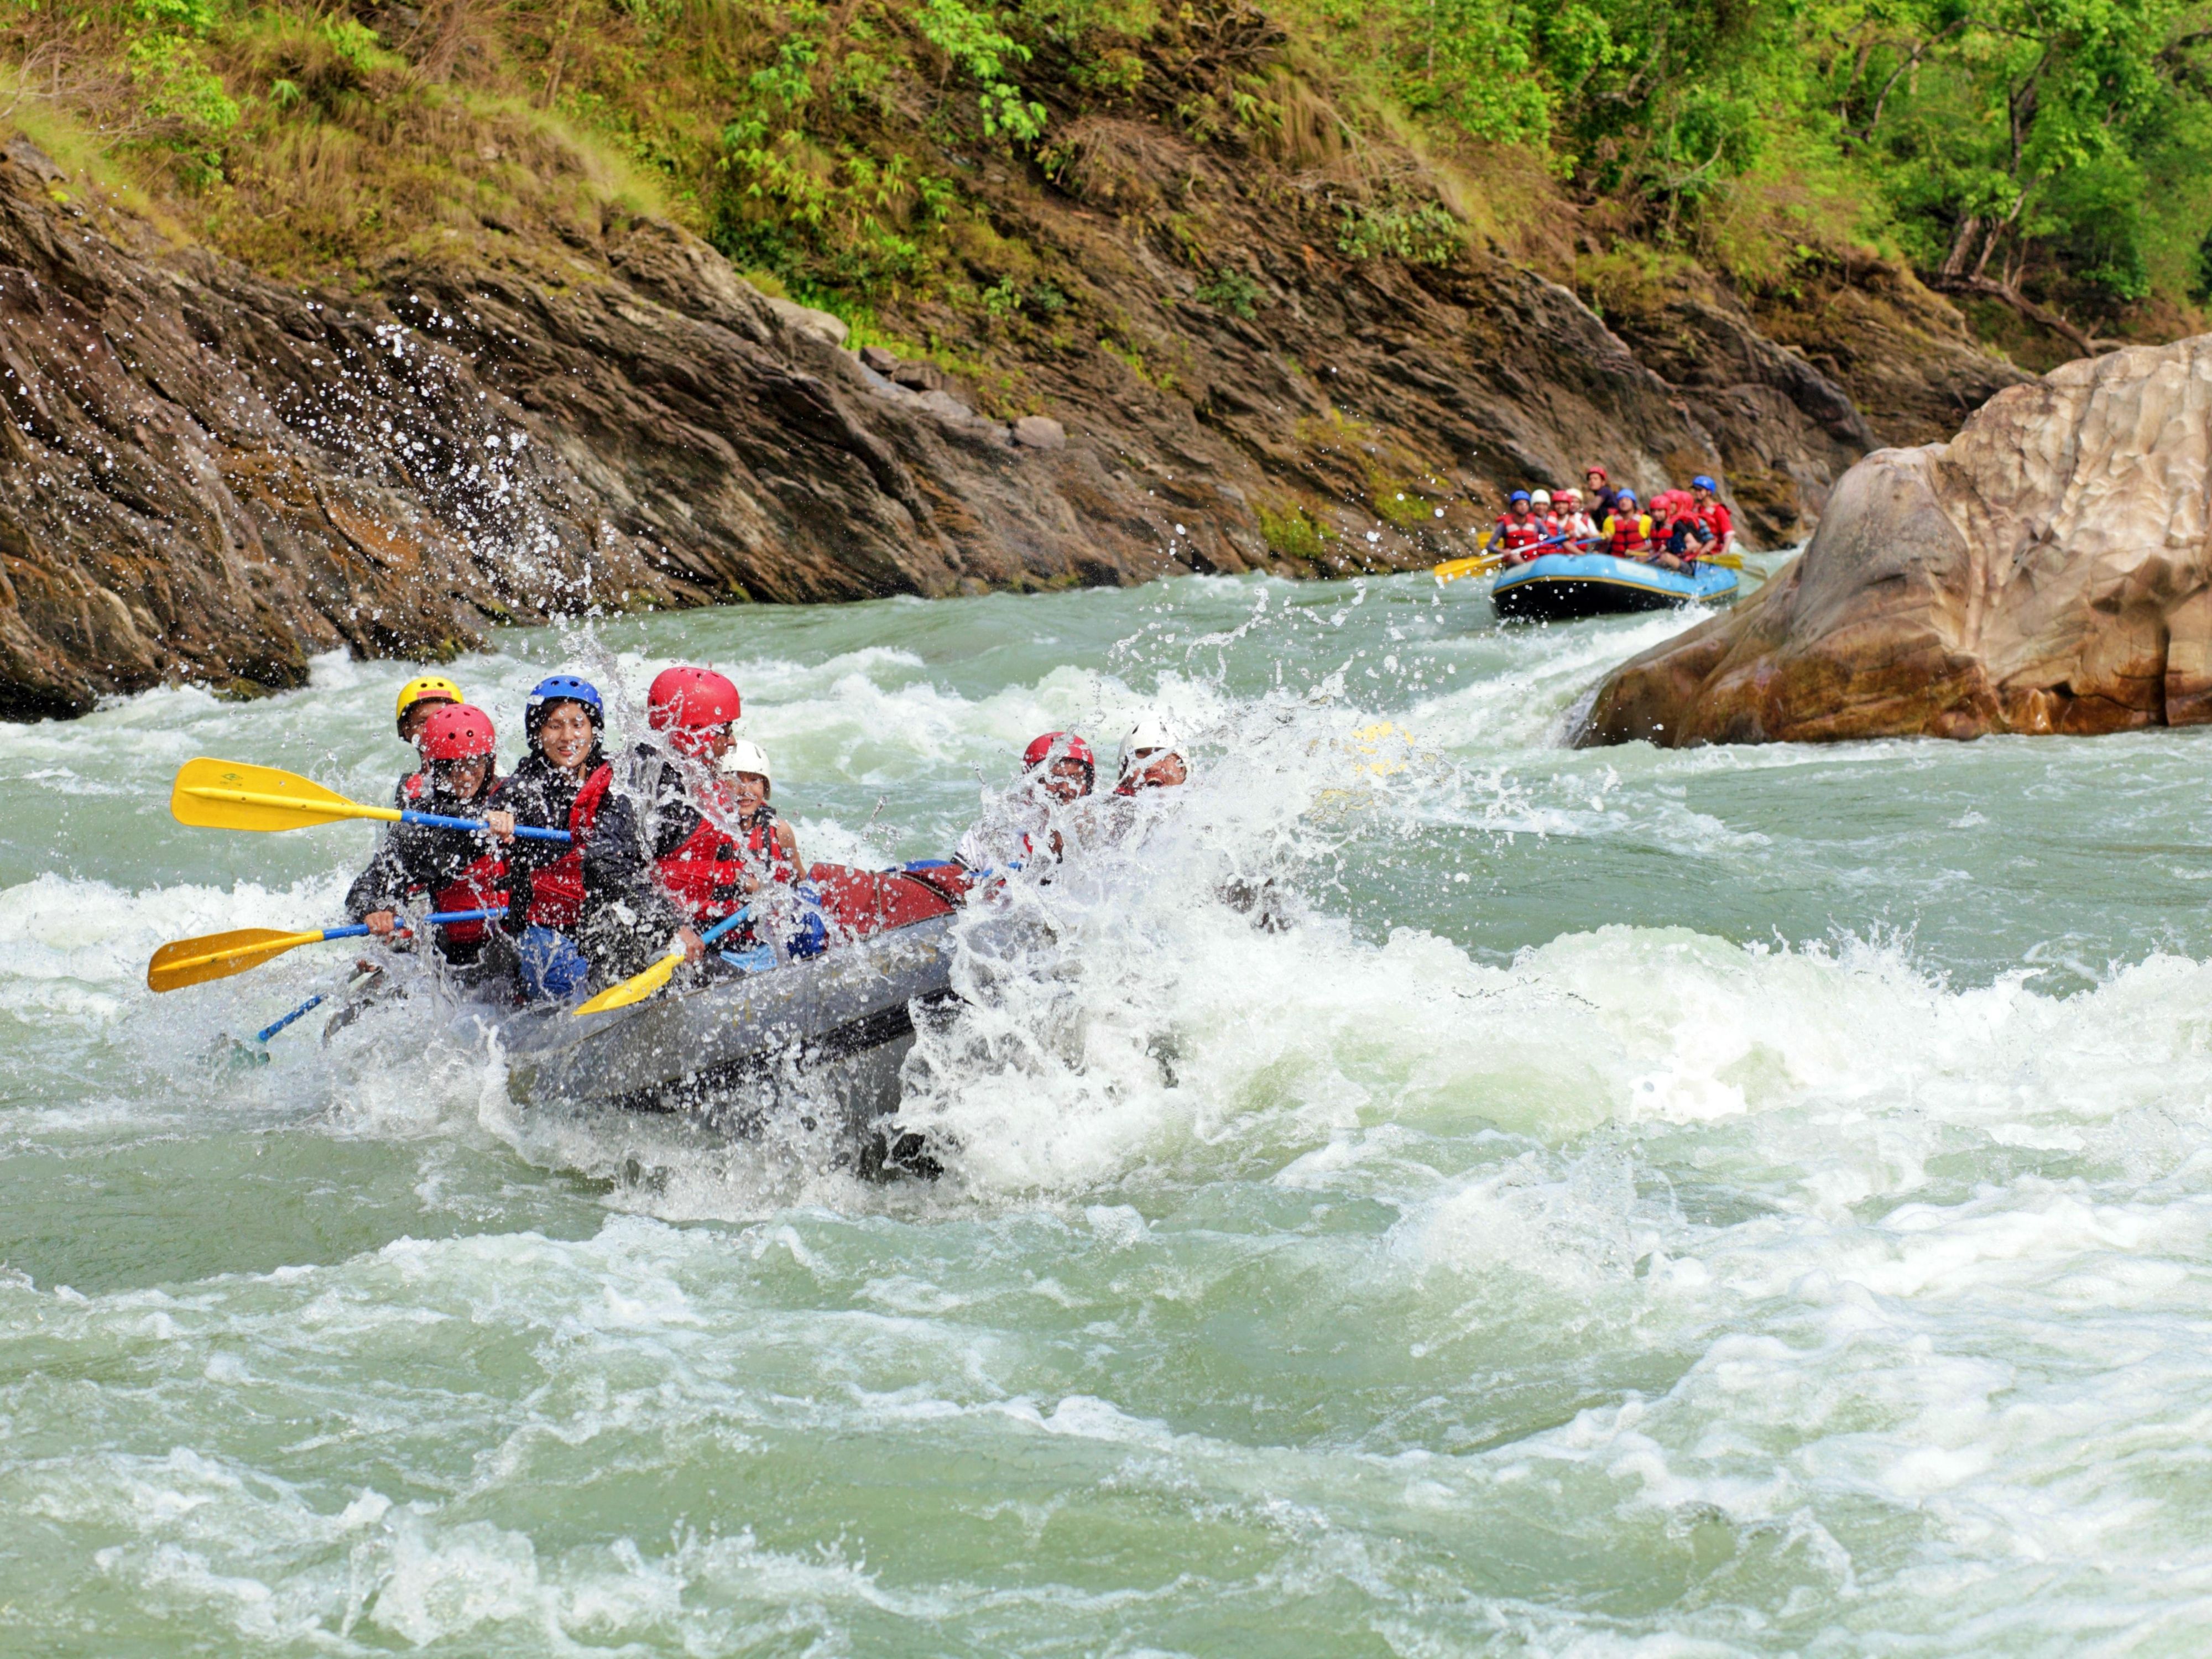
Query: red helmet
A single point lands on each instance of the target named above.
(456, 731)
(690, 704)
(1059, 745)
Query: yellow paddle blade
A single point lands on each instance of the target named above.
(219, 794)
(218, 956)
(1452, 569)
(636, 988)
(1726, 561)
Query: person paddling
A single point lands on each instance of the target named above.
(1058, 770)
(1574, 524)
(1627, 531)
(771, 844)
(669, 858)
(458, 869)
(1678, 532)
(561, 784)
(1518, 530)
(1151, 759)
(419, 699)
(1715, 514)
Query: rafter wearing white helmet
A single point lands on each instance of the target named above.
(746, 755)
(1151, 758)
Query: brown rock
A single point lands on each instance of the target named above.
(820, 323)
(946, 407)
(1904, 355)
(2047, 570)
(1786, 430)
(1040, 432)
(916, 377)
(210, 477)
(877, 358)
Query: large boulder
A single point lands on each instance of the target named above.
(2046, 570)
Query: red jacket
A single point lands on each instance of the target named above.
(1627, 534)
(1514, 534)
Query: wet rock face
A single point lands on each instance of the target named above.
(1786, 430)
(208, 476)
(2047, 570)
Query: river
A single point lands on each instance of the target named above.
(1745, 1200)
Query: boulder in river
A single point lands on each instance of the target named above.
(2047, 570)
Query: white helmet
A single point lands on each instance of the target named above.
(1540, 498)
(1151, 731)
(746, 756)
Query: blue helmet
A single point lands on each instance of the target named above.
(561, 688)
(1518, 495)
(1628, 496)
(1701, 481)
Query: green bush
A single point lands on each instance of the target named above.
(1231, 291)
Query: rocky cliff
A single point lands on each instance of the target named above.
(2049, 569)
(210, 475)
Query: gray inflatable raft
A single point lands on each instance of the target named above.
(828, 1034)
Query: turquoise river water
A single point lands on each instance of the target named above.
(1748, 1200)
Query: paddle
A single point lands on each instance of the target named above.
(218, 956)
(309, 1006)
(1453, 570)
(216, 794)
(638, 987)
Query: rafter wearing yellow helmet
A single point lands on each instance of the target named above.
(419, 697)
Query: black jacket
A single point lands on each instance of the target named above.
(540, 794)
(414, 860)
(628, 915)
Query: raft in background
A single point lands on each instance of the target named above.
(1565, 587)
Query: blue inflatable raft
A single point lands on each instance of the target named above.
(1562, 587)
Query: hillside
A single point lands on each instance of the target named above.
(1305, 290)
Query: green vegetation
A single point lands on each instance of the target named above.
(1295, 533)
(2052, 157)
(1231, 291)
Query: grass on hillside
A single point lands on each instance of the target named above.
(851, 152)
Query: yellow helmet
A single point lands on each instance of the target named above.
(427, 688)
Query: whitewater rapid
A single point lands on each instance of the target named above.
(1748, 1200)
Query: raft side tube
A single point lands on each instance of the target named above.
(1566, 587)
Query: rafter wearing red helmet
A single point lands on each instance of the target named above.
(693, 709)
(452, 869)
(1058, 770)
(674, 854)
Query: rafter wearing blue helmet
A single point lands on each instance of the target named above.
(1713, 513)
(561, 784)
(1518, 531)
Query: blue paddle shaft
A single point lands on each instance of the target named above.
(441, 918)
(268, 1032)
(439, 821)
(724, 926)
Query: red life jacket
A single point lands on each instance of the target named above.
(1627, 535)
(708, 871)
(556, 892)
(481, 886)
(1514, 534)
